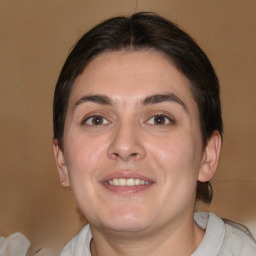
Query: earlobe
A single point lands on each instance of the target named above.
(60, 163)
(210, 157)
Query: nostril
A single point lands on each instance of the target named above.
(115, 155)
(129, 156)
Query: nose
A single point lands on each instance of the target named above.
(127, 143)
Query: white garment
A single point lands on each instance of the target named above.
(222, 238)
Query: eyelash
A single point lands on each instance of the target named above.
(167, 118)
(104, 121)
(89, 120)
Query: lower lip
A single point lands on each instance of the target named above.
(127, 190)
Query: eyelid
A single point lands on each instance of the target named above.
(165, 114)
(166, 118)
(95, 114)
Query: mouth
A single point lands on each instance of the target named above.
(126, 183)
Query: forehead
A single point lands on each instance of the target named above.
(131, 75)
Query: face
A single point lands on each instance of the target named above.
(132, 143)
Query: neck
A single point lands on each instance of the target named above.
(181, 240)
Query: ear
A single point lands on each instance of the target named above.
(61, 165)
(210, 157)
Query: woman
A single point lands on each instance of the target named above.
(137, 136)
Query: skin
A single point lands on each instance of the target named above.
(136, 136)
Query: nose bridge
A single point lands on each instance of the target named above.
(127, 142)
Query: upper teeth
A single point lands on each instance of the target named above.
(128, 182)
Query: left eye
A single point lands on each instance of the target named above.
(96, 120)
(159, 120)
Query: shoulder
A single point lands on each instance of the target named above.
(224, 237)
(80, 244)
(238, 240)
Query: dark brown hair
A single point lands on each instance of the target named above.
(138, 32)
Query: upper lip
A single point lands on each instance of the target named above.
(125, 175)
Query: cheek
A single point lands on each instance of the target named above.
(177, 156)
(175, 159)
(84, 155)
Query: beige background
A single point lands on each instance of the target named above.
(36, 37)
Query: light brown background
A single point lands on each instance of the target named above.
(36, 37)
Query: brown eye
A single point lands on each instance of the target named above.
(159, 120)
(96, 120)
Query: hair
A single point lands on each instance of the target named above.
(143, 31)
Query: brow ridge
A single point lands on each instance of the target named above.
(158, 98)
(96, 98)
(149, 100)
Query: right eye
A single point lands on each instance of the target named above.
(96, 120)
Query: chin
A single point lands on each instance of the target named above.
(126, 221)
(126, 227)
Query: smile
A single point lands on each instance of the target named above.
(127, 182)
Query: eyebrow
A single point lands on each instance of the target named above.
(96, 98)
(158, 98)
(152, 99)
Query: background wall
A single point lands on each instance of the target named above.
(36, 37)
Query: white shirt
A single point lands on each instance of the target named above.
(222, 238)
